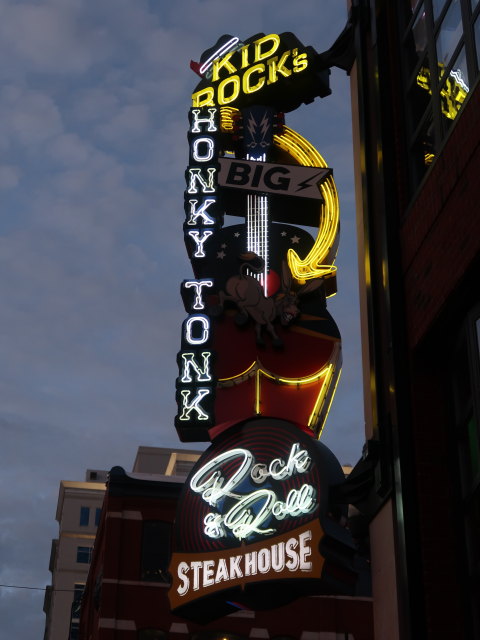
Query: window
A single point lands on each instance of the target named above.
(441, 59)
(98, 513)
(78, 589)
(449, 34)
(183, 467)
(75, 611)
(84, 555)
(84, 516)
(74, 630)
(155, 551)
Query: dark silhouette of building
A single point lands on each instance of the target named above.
(416, 116)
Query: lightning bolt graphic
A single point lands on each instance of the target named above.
(308, 182)
(255, 128)
(251, 127)
(264, 125)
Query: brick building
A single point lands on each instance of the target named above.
(416, 115)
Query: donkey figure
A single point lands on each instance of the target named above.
(247, 294)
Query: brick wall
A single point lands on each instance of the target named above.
(440, 237)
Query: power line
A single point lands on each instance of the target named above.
(16, 586)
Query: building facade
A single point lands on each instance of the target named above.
(416, 117)
(78, 515)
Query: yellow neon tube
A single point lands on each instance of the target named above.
(319, 261)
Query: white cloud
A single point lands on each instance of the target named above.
(131, 120)
(52, 37)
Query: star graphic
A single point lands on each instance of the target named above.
(283, 234)
(221, 254)
(223, 246)
(237, 234)
(295, 239)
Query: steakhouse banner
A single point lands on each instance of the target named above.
(288, 556)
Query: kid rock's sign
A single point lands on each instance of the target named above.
(258, 339)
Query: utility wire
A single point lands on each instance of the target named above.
(16, 586)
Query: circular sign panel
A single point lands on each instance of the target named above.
(254, 509)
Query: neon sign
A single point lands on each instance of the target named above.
(196, 384)
(260, 355)
(251, 75)
(293, 557)
(251, 511)
(255, 508)
(244, 161)
(256, 71)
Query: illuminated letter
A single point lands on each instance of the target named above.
(199, 240)
(201, 211)
(235, 571)
(208, 573)
(222, 62)
(293, 561)
(207, 479)
(181, 571)
(207, 186)
(189, 362)
(235, 81)
(300, 63)
(188, 407)
(204, 97)
(222, 571)
(273, 68)
(196, 120)
(305, 550)
(204, 327)
(213, 526)
(210, 150)
(264, 563)
(247, 88)
(298, 460)
(251, 564)
(198, 286)
(244, 52)
(281, 68)
(278, 556)
(274, 39)
(196, 564)
(259, 473)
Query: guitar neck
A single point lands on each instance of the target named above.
(257, 232)
(257, 140)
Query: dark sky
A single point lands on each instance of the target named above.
(94, 98)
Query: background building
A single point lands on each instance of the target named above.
(417, 137)
(78, 515)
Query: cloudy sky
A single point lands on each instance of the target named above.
(94, 96)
